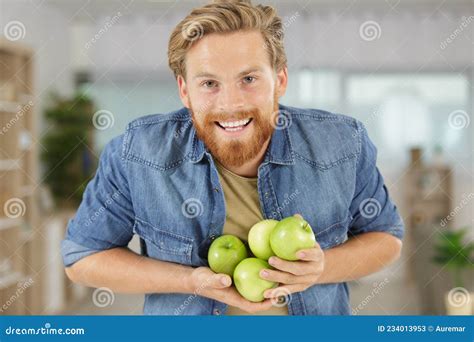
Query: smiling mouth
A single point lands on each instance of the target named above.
(234, 126)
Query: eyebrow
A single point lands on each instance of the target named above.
(242, 73)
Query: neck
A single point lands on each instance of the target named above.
(250, 168)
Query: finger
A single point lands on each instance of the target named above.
(298, 215)
(220, 281)
(235, 299)
(283, 290)
(230, 296)
(284, 277)
(293, 267)
(311, 254)
(252, 307)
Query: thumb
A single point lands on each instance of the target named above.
(220, 281)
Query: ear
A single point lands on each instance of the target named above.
(282, 81)
(183, 91)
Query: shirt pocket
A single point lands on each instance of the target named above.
(332, 234)
(164, 245)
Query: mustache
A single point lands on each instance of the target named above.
(221, 116)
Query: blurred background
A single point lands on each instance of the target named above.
(74, 72)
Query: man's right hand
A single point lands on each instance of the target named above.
(204, 282)
(124, 271)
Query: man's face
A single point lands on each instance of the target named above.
(232, 92)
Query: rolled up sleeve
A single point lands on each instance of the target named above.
(105, 216)
(371, 208)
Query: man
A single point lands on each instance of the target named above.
(232, 157)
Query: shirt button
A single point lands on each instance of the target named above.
(217, 312)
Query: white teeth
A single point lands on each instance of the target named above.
(231, 124)
(234, 129)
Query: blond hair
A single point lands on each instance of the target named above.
(222, 16)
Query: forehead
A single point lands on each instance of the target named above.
(229, 53)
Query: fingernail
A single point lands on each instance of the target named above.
(225, 281)
(264, 273)
(267, 294)
(271, 261)
(301, 255)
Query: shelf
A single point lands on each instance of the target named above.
(13, 107)
(10, 279)
(25, 140)
(26, 236)
(10, 47)
(9, 164)
(26, 190)
(7, 223)
(19, 169)
(25, 98)
(10, 106)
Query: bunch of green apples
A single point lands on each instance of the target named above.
(229, 255)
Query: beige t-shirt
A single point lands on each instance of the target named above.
(242, 212)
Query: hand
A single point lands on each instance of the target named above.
(218, 286)
(294, 276)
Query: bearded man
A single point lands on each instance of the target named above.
(231, 157)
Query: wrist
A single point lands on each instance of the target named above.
(187, 279)
(318, 269)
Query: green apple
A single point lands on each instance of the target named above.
(290, 235)
(247, 279)
(225, 253)
(259, 238)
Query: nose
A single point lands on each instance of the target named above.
(230, 99)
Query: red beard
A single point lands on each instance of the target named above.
(235, 152)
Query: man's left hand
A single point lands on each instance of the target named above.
(294, 276)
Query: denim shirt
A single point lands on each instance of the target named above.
(158, 180)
